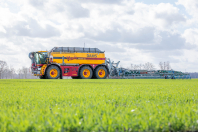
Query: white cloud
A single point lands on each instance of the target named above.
(190, 5)
(191, 36)
(128, 31)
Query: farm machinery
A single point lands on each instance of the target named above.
(87, 63)
(75, 62)
(123, 73)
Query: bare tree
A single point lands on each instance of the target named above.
(6, 72)
(146, 66)
(168, 67)
(3, 66)
(165, 65)
(20, 73)
(136, 67)
(25, 72)
(141, 66)
(12, 72)
(161, 66)
(149, 66)
(132, 66)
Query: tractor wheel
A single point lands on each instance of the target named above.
(53, 72)
(86, 72)
(100, 72)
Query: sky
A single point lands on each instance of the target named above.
(129, 31)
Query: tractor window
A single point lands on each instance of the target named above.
(40, 57)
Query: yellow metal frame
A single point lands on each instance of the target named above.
(41, 51)
(79, 58)
(43, 69)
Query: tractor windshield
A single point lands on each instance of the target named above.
(40, 57)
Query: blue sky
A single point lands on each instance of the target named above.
(130, 31)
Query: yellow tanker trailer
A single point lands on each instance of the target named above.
(76, 62)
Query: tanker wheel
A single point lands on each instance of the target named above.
(86, 72)
(100, 72)
(53, 72)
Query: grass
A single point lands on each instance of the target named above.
(99, 105)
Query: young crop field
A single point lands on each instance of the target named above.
(98, 105)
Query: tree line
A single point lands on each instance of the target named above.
(9, 72)
(149, 66)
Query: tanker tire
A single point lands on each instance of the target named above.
(81, 72)
(97, 70)
(48, 72)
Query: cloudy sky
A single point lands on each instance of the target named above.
(132, 31)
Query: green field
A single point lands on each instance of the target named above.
(98, 105)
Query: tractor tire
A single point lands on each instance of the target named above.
(86, 72)
(100, 72)
(53, 72)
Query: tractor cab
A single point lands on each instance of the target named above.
(38, 59)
